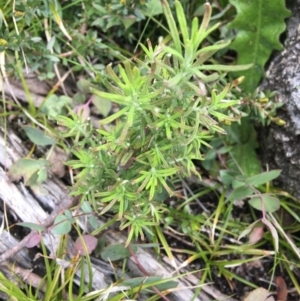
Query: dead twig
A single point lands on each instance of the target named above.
(66, 204)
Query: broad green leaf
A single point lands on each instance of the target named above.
(128, 21)
(271, 203)
(259, 24)
(154, 7)
(227, 176)
(32, 171)
(32, 226)
(86, 207)
(61, 225)
(245, 156)
(38, 137)
(240, 193)
(38, 177)
(263, 178)
(242, 132)
(116, 252)
(54, 105)
(93, 222)
(103, 105)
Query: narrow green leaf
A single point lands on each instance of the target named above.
(110, 96)
(259, 24)
(113, 117)
(172, 25)
(205, 53)
(263, 178)
(202, 34)
(33, 226)
(116, 252)
(173, 52)
(138, 281)
(38, 137)
(182, 21)
(226, 68)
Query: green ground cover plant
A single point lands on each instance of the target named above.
(182, 111)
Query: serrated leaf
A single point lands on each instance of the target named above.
(116, 252)
(263, 178)
(38, 137)
(61, 225)
(271, 203)
(259, 24)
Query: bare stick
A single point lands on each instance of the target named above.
(66, 204)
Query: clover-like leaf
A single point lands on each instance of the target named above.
(62, 225)
(266, 202)
(34, 240)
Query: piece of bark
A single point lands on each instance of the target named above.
(280, 144)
